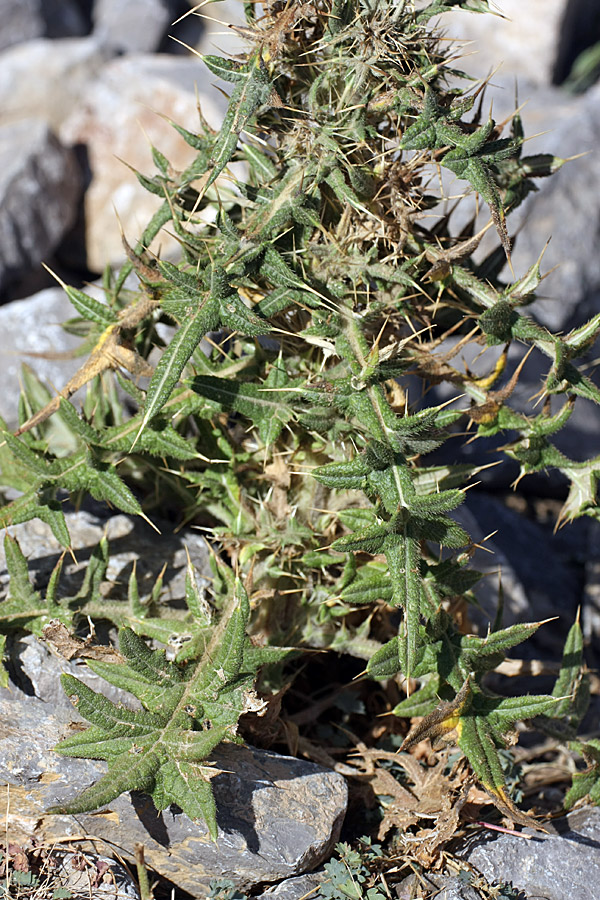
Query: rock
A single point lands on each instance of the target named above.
(124, 102)
(537, 582)
(32, 326)
(591, 595)
(129, 539)
(277, 816)
(20, 21)
(27, 19)
(580, 30)
(146, 26)
(300, 888)
(565, 864)
(131, 26)
(578, 440)
(454, 889)
(40, 186)
(65, 18)
(524, 42)
(35, 670)
(62, 71)
(563, 209)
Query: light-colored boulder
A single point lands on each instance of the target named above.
(47, 78)
(523, 39)
(131, 26)
(123, 113)
(30, 333)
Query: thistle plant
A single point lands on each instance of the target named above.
(315, 276)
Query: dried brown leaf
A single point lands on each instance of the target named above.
(69, 647)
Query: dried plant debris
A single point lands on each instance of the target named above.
(423, 806)
(34, 871)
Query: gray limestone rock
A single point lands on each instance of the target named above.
(20, 21)
(40, 186)
(442, 887)
(35, 670)
(522, 41)
(454, 889)
(591, 594)
(29, 329)
(23, 20)
(563, 865)
(277, 816)
(128, 107)
(218, 36)
(61, 70)
(131, 26)
(537, 579)
(65, 18)
(304, 886)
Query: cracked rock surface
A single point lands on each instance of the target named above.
(565, 864)
(278, 817)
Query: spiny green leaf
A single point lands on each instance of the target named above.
(386, 662)
(421, 703)
(268, 406)
(343, 475)
(239, 317)
(40, 504)
(227, 69)
(260, 162)
(174, 359)
(368, 589)
(245, 100)
(371, 540)
(188, 709)
(402, 554)
(587, 783)
(24, 607)
(91, 309)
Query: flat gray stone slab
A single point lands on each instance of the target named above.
(278, 817)
(303, 887)
(563, 866)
